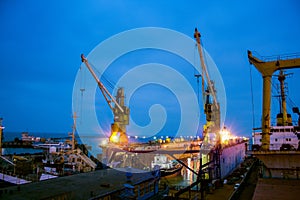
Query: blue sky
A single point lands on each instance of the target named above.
(41, 43)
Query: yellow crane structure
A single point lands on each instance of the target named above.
(120, 111)
(283, 118)
(212, 113)
(211, 109)
(267, 68)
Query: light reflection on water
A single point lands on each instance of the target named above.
(186, 177)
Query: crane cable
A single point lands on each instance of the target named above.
(252, 97)
(196, 74)
(109, 83)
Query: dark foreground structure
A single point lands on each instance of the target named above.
(102, 184)
(277, 189)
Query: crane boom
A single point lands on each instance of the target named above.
(103, 89)
(212, 112)
(197, 36)
(120, 111)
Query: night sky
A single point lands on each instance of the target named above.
(41, 43)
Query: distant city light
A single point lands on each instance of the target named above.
(103, 142)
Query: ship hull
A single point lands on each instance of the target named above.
(167, 173)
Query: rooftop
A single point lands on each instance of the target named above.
(80, 186)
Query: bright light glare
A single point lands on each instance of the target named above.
(114, 138)
(225, 136)
(104, 142)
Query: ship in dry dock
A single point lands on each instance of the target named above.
(215, 155)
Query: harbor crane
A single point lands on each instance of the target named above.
(267, 67)
(117, 105)
(211, 108)
(212, 112)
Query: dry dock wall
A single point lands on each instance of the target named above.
(231, 157)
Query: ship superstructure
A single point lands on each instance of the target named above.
(281, 138)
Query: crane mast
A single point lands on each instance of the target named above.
(211, 109)
(120, 111)
(212, 112)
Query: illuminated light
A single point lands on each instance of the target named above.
(103, 142)
(144, 137)
(136, 137)
(167, 136)
(245, 138)
(114, 138)
(226, 136)
(154, 137)
(189, 165)
(161, 136)
(128, 136)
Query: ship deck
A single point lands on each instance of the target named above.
(277, 189)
